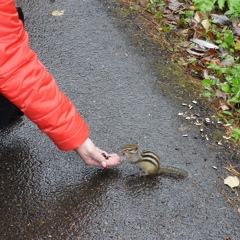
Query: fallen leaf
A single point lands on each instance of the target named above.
(224, 107)
(237, 45)
(216, 62)
(237, 31)
(221, 19)
(193, 8)
(174, 5)
(57, 13)
(227, 62)
(236, 22)
(197, 17)
(231, 181)
(213, 53)
(194, 53)
(221, 94)
(206, 24)
(199, 32)
(211, 35)
(143, 3)
(204, 43)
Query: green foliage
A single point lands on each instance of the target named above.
(234, 8)
(208, 5)
(227, 113)
(207, 83)
(186, 17)
(187, 13)
(135, 8)
(232, 83)
(236, 133)
(192, 59)
(153, 5)
(226, 39)
(222, 82)
(204, 5)
(221, 3)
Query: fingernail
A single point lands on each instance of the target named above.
(104, 165)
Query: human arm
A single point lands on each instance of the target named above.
(25, 82)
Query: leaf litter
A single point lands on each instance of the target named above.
(197, 40)
(233, 182)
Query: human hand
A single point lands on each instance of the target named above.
(92, 155)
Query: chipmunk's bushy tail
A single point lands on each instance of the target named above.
(172, 171)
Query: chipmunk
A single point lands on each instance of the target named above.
(148, 161)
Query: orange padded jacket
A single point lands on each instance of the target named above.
(26, 83)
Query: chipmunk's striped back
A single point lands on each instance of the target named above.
(151, 157)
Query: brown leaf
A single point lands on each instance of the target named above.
(212, 60)
(223, 105)
(196, 69)
(199, 32)
(211, 35)
(184, 32)
(215, 102)
(213, 53)
(143, 3)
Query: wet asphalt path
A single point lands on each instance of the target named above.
(49, 194)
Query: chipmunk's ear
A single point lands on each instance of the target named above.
(136, 147)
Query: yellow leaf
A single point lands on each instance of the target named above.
(237, 45)
(232, 182)
(198, 17)
(58, 13)
(206, 24)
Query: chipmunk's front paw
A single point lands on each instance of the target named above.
(143, 174)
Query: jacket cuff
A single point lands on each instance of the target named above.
(76, 140)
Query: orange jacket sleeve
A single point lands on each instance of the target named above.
(26, 83)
